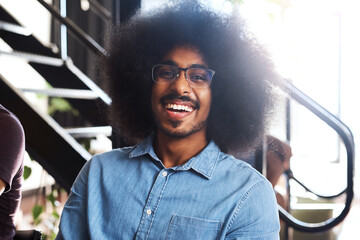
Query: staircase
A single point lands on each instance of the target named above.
(49, 143)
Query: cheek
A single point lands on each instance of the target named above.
(157, 92)
(205, 100)
(153, 96)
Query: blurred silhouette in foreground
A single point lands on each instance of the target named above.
(12, 148)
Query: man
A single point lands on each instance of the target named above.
(187, 84)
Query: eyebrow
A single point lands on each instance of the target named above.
(197, 66)
(172, 63)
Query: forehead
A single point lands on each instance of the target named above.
(184, 56)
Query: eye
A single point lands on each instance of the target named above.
(198, 75)
(165, 72)
(197, 78)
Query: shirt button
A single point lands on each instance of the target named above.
(164, 174)
(148, 212)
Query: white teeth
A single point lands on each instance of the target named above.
(179, 107)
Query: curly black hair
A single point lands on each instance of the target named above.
(242, 88)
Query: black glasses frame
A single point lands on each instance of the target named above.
(212, 72)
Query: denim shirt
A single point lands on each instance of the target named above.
(128, 194)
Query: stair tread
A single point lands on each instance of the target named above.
(36, 58)
(89, 131)
(64, 92)
(14, 28)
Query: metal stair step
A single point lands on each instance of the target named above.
(89, 132)
(65, 75)
(14, 28)
(63, 92)
(35, 58)
(21, 42)
(57, 62)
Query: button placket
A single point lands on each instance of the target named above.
(152, 204)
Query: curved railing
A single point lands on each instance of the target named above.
(344, 132)
(290, 175)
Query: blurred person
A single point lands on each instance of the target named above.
(277, 162)
(188, 84)
(12, 148)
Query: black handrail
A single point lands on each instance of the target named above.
(348, 140)
(84, 37)
(290, 175)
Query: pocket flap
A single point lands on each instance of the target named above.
(181, 227)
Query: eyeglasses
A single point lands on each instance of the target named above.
(196, 77)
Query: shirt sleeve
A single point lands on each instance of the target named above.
(73, 223)
(12, 147)
(257, 216)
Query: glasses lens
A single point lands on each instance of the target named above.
(164, 73)
(199, 77)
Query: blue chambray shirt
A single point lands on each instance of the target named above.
(128, 194)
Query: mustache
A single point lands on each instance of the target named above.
(174, 96)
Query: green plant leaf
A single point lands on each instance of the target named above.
(58, 104)
(56, 214)
(40, 96)
(27, 172)
(36, 212)
(37, 221)
(52, 236)
(86, 143)
(51, 198)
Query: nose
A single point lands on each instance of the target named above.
(180, 84)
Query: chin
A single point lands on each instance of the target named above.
(175, 131)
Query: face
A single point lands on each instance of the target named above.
(179, 109)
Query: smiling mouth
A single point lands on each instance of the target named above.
(178, 107)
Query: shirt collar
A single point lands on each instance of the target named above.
(204, 163)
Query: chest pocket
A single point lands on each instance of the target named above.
(192, 228)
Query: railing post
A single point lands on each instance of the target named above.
(63, 31)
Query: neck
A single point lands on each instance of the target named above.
(176, 151)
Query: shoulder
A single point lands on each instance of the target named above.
(10, 124)
(239, 168)
(115, 153)
(12, 148)
(256, 210)
(103, 163)
(111, 158)
(247, 180)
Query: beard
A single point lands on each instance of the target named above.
(173, 130)
(176, 133)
